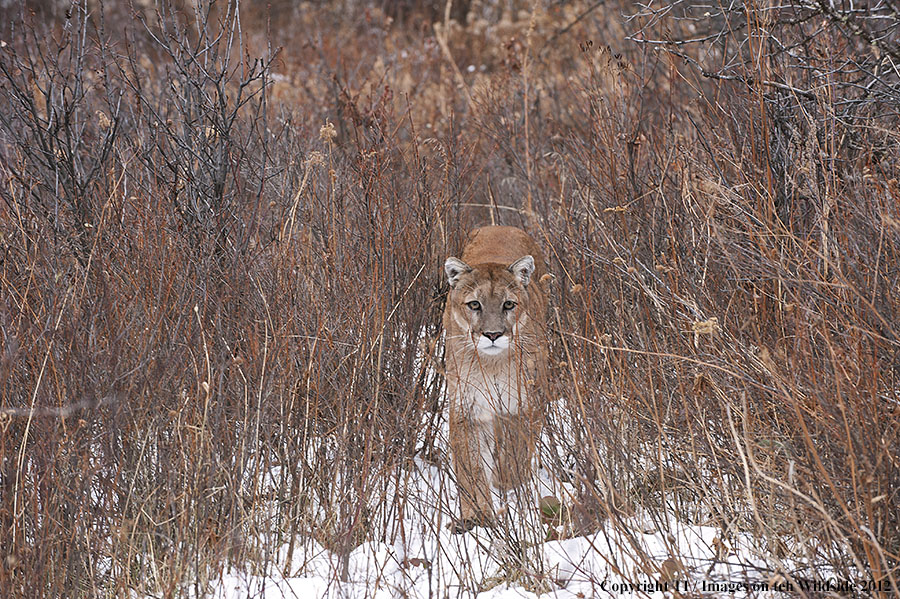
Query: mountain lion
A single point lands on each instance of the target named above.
(495, 324)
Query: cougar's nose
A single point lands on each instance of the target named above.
(492, 336)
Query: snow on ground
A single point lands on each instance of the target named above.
(422, 558)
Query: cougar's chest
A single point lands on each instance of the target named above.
(484, 395)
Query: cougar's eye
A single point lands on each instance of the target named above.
(474, 305)
(509, 305)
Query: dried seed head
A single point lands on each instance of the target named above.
(103, 120)
(706, 327)
(315, 158)
(327, 132)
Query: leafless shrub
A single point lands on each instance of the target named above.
(823, 73)
(57, 152)
(221, 287)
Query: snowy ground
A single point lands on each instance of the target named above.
(421, 558)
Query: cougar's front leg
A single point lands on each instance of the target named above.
(516, 438)
(472, 444)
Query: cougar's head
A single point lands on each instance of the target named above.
(488, 301)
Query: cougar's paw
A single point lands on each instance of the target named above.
(466, 524)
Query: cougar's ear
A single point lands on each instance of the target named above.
(455, 268)
(523, 268)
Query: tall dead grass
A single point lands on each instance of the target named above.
(221, 285)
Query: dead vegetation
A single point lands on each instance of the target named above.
(221, 238)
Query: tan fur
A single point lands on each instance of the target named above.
(493, 391)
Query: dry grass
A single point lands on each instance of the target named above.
(220, 276)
